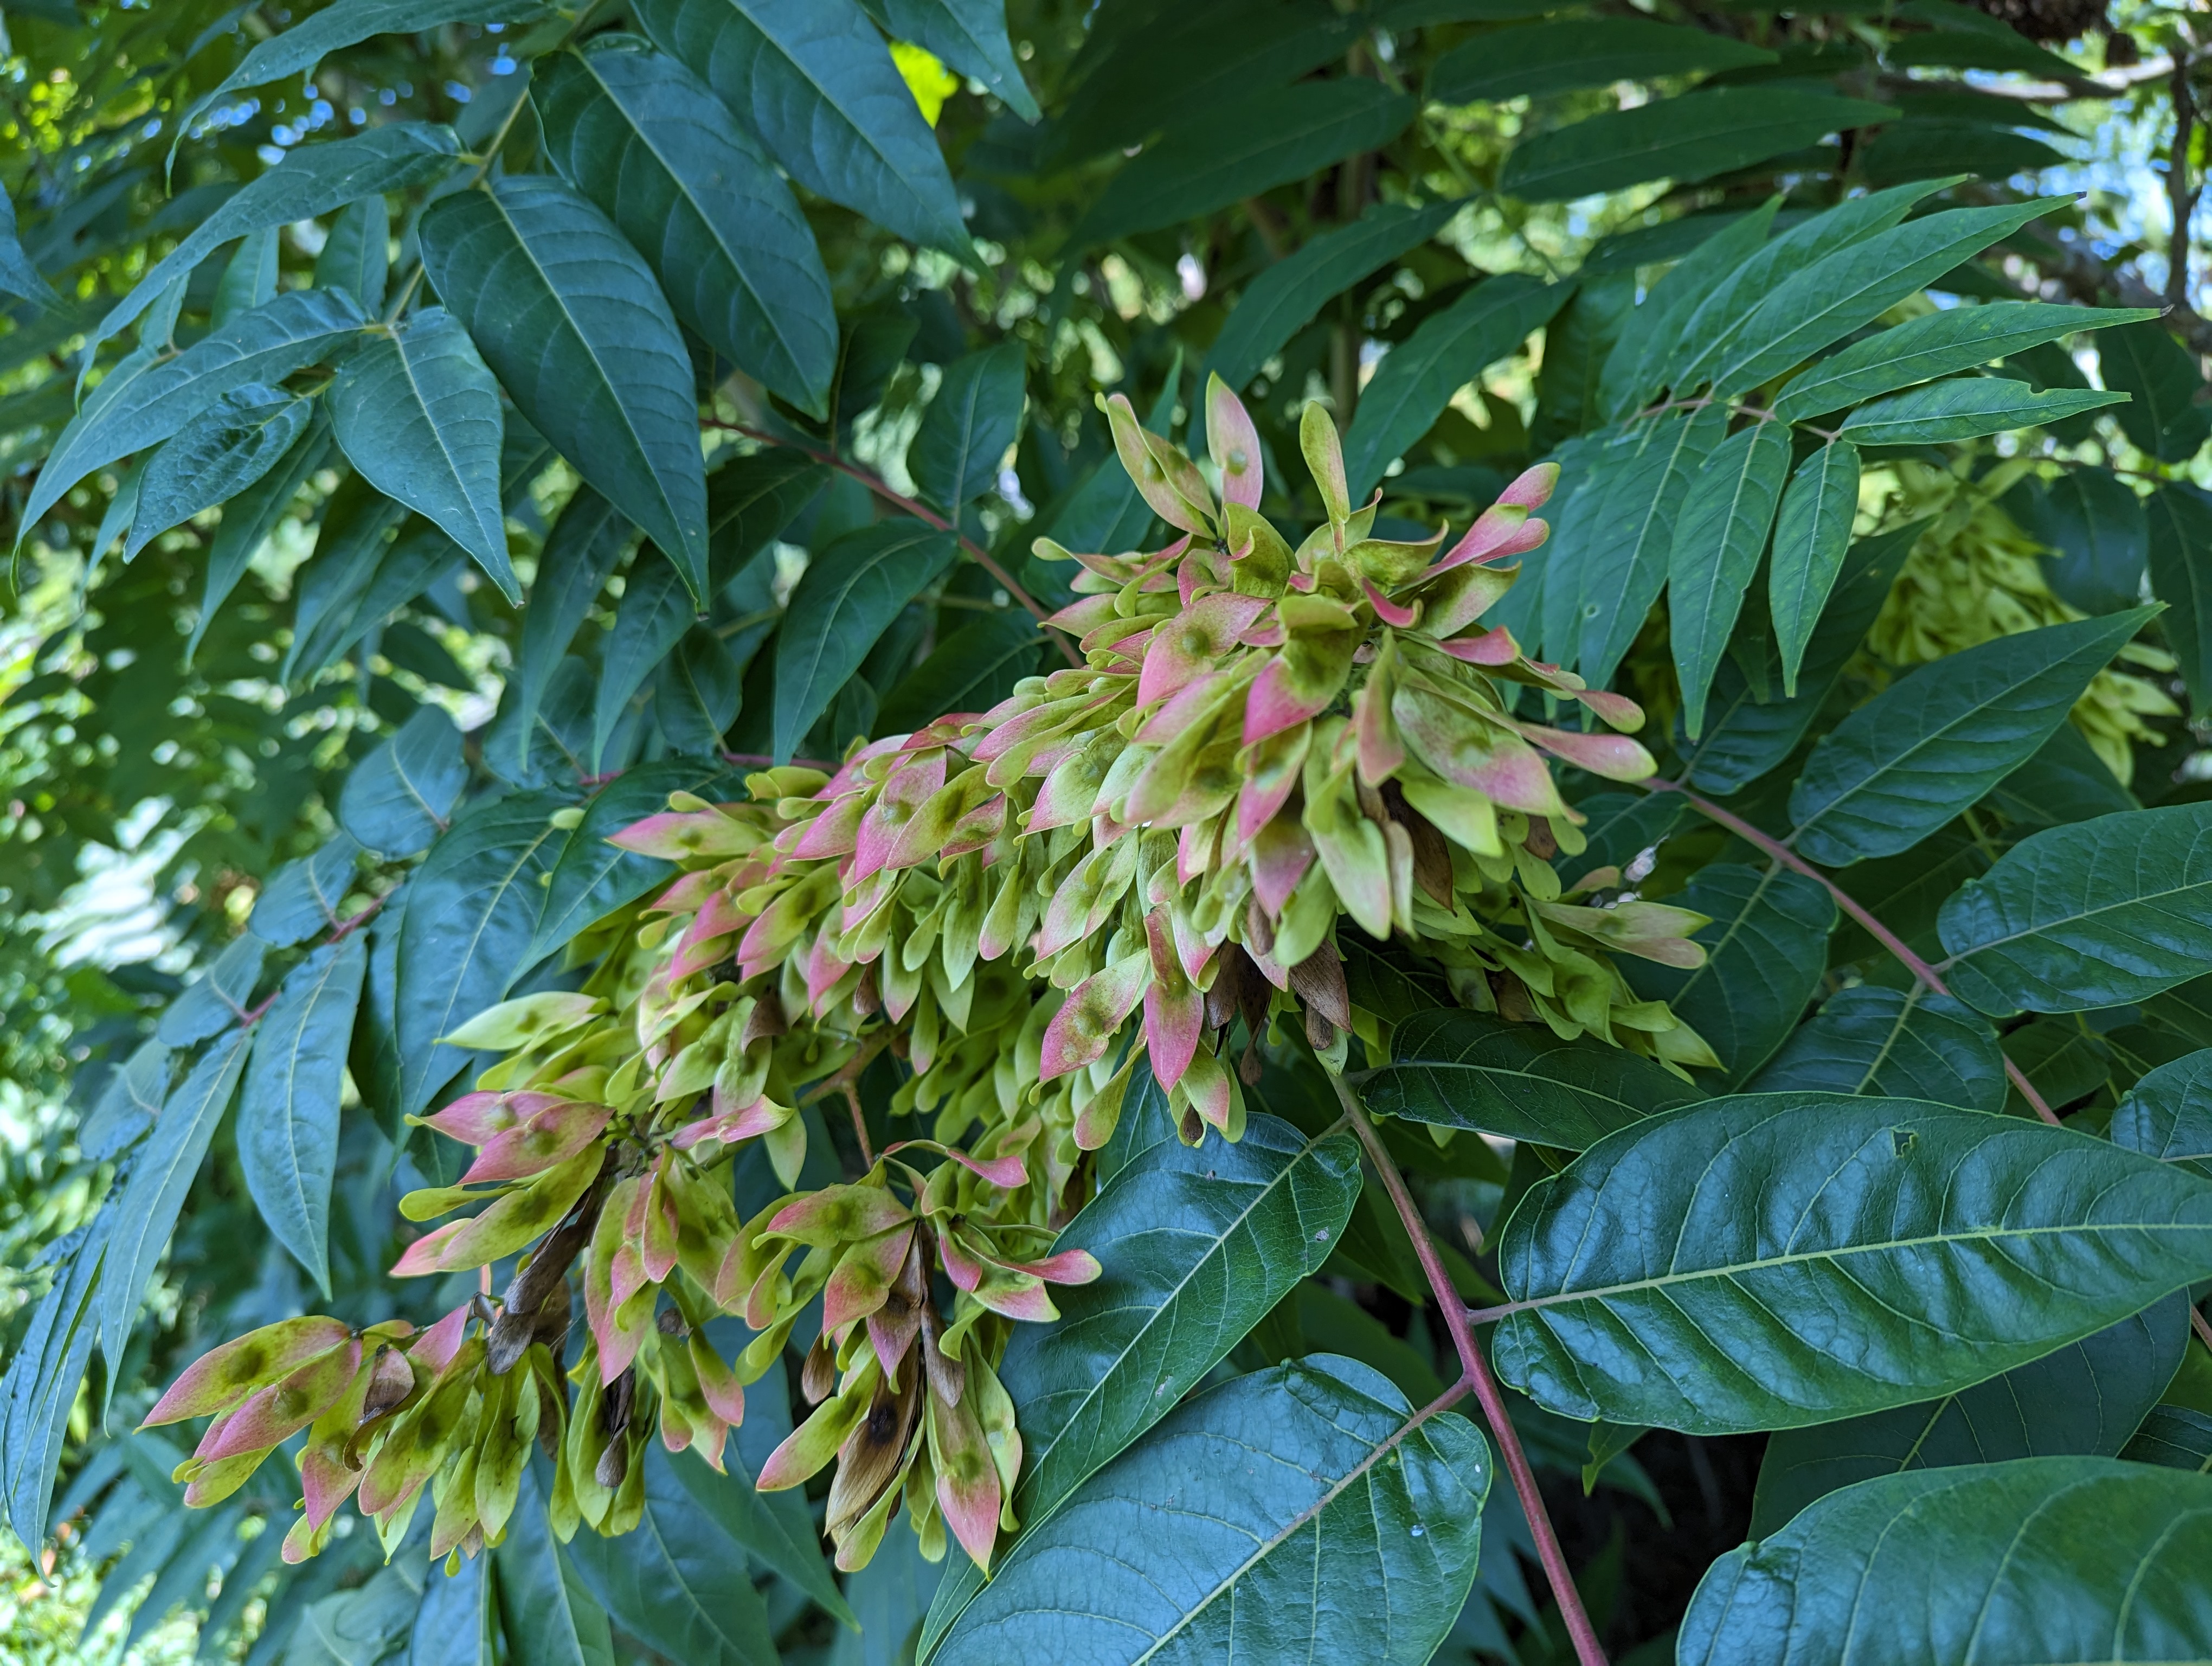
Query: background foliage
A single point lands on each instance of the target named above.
(424, 419)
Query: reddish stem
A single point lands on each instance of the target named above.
(2201, 1326)
(1476, 1374)
(881, 488)
(1850, 905)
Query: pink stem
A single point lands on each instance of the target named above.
(1880, 933)
(1474, 1373)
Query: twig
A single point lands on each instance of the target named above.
(1850, 905)
(881, 489)
(860, 1125)
(1476, 1374)
(2180, 195)
(2202, 1326)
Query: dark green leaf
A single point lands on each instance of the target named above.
(2177, 1437)
(1965, 408)
(247, 521)
(654, 613)
(547, 1615)
(751, 1520)
(417, 413)
(220, 999)
(220, 452)
(1764, 952)
(570, 318)
(579, 557)
(2164, 416)
(815, 80)
(1810, 536)
(2097, 914)
(400, 797)
(1622, 826)
(972, 670)
(2064, 782)
(750, 501)
(1719, 535)
(1871, 1253)
(1284, 297)
(644, 138)
(1540, 58)
(161, 1173)
(592, 877)
(40, 1388)
(2086, 1399)
(312, 179)
(1748, 735)
(457, 1622)
(1894, 1044)
(128, 1102)
(18, 276)
(851, 591)
(1576, 345)
(287, 1113)
(302, 898)
(1642, 478)
(697, 695)
(676, 1582)
(249, 280)
(971, 421)
(472, 908)
(350, 546)
(2048, 1559)
(1683, 139)
(2180, 517)
(969, 36)
(1222, 154)
(1654, 332)
(2168, 1114)
(1458, 1069)
(1417, 378)
(1939, 344)
(2097, 523)
(1930, 745)
(1302, 1512)
(1856, 284)
(357, 256)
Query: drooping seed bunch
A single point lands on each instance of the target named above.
(1119, 862)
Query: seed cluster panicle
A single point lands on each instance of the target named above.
(1008, 915)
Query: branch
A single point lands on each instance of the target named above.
(1850, 905)
(881, 488)
(1474, 1373)
(2181, 197)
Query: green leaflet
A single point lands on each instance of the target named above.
(1719, 535)
(1765, 950)
(2180, 517)
(1960, 1564)
(1203, 1243)
(1858, 284)
(1576, 345)
(1892, 1044)
(1683, 139)
(972, 670)
(313, 179)
(357, 256)
(851, 591)
(1417, 378)
(580, 556)
(136, 407)
(1748, 735)
(1922, 348)
(2099, 528)
(644, 138)
(1539, 59)
(2179, 1437)
(969, 35)
(352, 543)
(1627, 544)
(401, 796)
(547, 1615)
(18, 276)
(592, 879)
(457, 1622)
(2092, 914)
(762, 1522)
(1965, 408)
(473, 906)
(2162, 415)
(218, 998)
(677, 1583)
(1931, 744)
(302, 898)
(249, 280)
(1280, 300)
(816, 80)
(654, 613)
(2087, 1398)
(571, 320)
(2064, 782)
(163, 1171)
(1299, 1512)
(2168, 1114)
(1454, 1069)
(1941, 1242)
(249, 517)
(1636, 367)
(971, 421)
(287, 1113)
(220, 453)
(417, 413)
(1810, 536)
(39, 1390)
(1221, 154)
